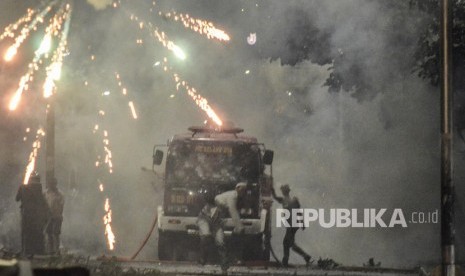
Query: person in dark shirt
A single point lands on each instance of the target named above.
(55, 202)
(290, 203)
(34, 215)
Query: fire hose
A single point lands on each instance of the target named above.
(147, 237)
(273, 254)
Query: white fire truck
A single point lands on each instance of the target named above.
(212, 161)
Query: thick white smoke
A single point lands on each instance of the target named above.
(100, 4)
(334, 150)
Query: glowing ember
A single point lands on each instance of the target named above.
(200, 26)
(133, 110)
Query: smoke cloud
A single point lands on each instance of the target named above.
(100, 4)
(336, 150)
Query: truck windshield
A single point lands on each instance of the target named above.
(193, 163)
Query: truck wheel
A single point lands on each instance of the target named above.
(165, 247)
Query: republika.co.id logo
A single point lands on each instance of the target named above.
(365, 218)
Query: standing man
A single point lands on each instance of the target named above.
(34, 214)
(210, 222)
(55, 202)
(290, 203)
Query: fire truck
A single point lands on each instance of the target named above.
(209, 161)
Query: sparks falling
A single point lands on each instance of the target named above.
(200, 26)
(25, 32)
(106, 147)
(108, 154)
(10, 29)
(192, 92)
(32, 157)
(124, 91)
(168, 44)
(198, 99)
(54, 69)
(111, 239)
(54, 26)
(161, 37)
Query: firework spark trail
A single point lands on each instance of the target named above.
(160, 36)
(106, 147)
(54, 69)
(107, 218)
(33, 66)
(32, 157)
(192, 92)
(25, 31)
(108, 154)
(200, 26)
(10, 29)
(124, 91)
(168, 44)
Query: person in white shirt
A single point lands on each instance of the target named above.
(210, 221)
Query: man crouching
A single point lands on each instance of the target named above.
(211, 221)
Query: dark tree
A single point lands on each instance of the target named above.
(428, 54)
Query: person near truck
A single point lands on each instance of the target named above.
(55, 202)
(34, 215)
(290, 203)
(211, 222)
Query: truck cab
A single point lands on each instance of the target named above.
(205, 163)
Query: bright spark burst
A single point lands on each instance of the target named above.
(32, 157)
(10, 29)
(33, 18)
(200, 26)
(33, 66)
(192, 92)
(54, 70)
(107, 219)
(161, 37)
(45, 45)
(168, 44)
(13, 49)
(23, 85)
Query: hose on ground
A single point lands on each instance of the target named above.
(146, 238)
